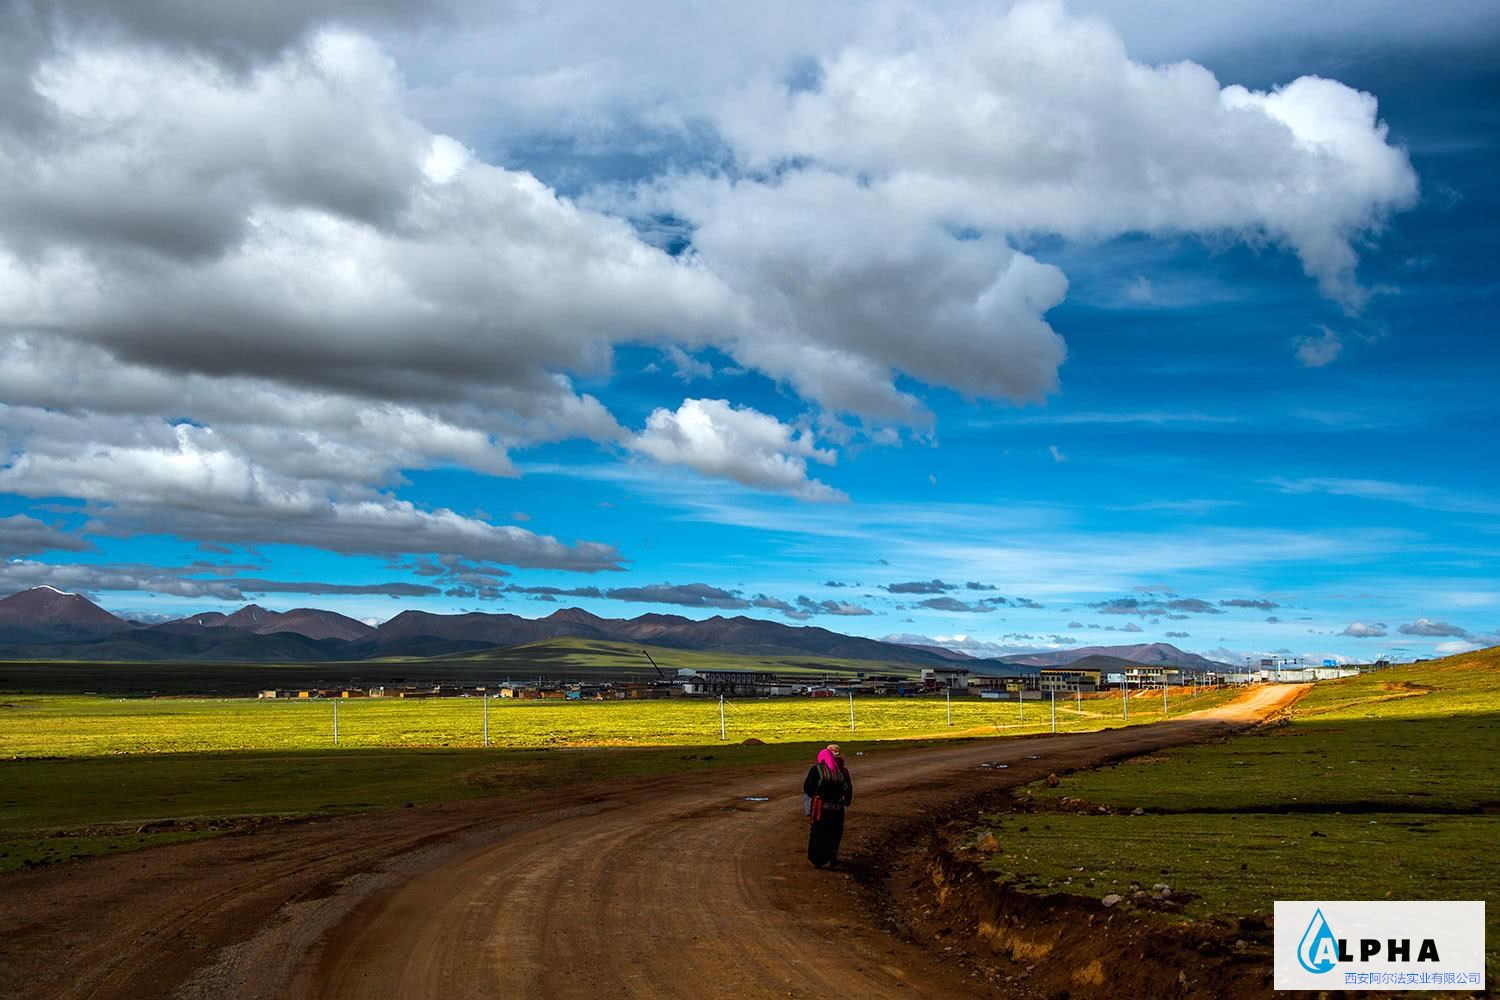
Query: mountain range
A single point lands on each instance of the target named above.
(1148, 654)
(45, 623)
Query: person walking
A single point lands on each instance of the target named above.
(828, 790)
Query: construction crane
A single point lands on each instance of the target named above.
(659, 675)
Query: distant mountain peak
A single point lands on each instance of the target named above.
(573, 614)
(50, 610)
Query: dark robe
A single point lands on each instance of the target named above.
(831, 791)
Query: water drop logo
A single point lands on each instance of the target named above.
(1318, 950)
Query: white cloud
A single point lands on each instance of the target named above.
(850, 286)
(1315, 352)
(1039, 121)
(1457, 646)
(738, 443)
(193, 231)
(1431, 628)
(190, 481)
(176, 214)
(304, 259)
(1363, 630)
(687, 367)
(1057, 453)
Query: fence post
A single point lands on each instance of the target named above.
(723, 735)
(1054, 710)
(335, 722)
(485, 700)
(1164, 696)
(949, 693)
(851, 713)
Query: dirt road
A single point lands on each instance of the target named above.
(682, 887)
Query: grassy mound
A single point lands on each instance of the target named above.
(1376, 787)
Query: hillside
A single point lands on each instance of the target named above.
(311, 623)
(48, 613)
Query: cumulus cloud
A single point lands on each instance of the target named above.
(773, 603)
(736, 442)
(963, 122)
(689, 595)
(849, 286)
(23, 536)
(554, 591)
(919, 587)
(954, 604)
(1428, 627)
(219, 323)
(841, 608)
(307, 260)
(187, 480)
(1365, 630)
(1175, 609)
(21, 574)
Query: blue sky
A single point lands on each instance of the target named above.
(1006, 329)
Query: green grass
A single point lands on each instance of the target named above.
(591, 655)
(556, 659)
(1381, 786)
(85, 773)
(44, 725)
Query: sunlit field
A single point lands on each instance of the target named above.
(66, 726)
(1378, 786)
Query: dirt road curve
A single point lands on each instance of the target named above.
(672, 888)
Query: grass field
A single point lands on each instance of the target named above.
(587, 655)
(63, 726)
(554, 659)
(86, 774)
(1381, 786)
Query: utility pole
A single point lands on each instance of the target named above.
(949, 693)
(1163, 696)
(851, 713)
(1125, 695)
(1054, 709)
(335, 722)
(485, 700)
(722, 732)
(1078, 700)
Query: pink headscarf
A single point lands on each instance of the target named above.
(826, 757)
